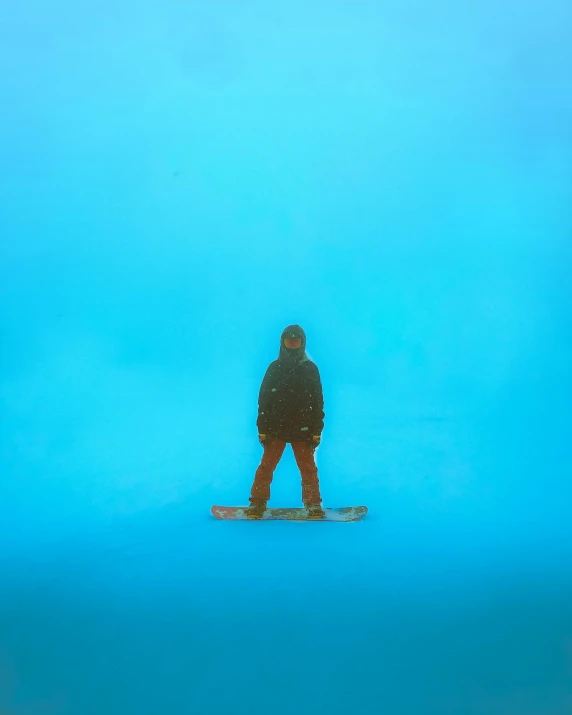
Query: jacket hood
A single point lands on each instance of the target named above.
(292, 354)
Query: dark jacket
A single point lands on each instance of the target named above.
(291, 403)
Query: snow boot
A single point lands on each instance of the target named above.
(315, 511)
(256, 509)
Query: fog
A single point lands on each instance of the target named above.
(179, 182)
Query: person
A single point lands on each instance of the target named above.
(290, 410)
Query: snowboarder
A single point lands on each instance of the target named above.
(290, 410)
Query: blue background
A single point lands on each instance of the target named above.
(181, 180)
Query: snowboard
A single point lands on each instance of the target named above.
(236, 513)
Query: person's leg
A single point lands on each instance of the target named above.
(273, 451)
(304, 455)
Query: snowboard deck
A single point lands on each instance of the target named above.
(236, 513)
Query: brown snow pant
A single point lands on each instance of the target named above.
(304, 455)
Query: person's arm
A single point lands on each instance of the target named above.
(315, 400)
(264, 399)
